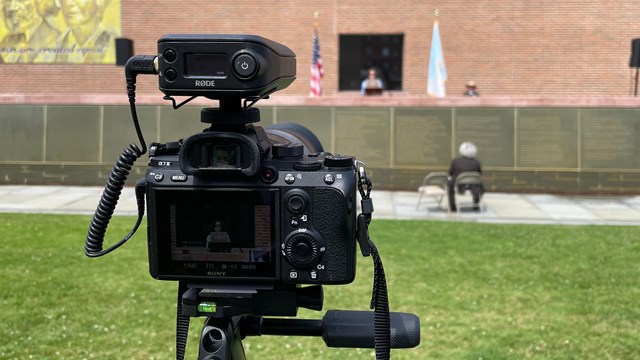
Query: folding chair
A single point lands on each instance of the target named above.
(467, 179)
(433, 186)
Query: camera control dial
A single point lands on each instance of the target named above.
(302, 250)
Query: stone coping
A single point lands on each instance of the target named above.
(346, 99)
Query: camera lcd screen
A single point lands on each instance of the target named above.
(200, 64)
(220, 233)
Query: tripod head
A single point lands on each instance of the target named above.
(228, 301)
(236, 312)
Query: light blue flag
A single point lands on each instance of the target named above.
(437, 69)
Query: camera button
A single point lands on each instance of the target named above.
(289, 179)
(302, 250)
(293, 274)
(294, 222)
(269, 175)
(296, 204)
(158, 177)
(179, 178)
(329, 179)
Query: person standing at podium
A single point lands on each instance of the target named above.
(372, 84)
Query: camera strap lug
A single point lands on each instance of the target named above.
(366, 205)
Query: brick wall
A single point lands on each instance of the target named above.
(521, 48)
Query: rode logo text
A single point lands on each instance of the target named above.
(205, 83)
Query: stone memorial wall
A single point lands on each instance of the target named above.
(568, 149)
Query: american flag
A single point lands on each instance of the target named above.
(317, 71)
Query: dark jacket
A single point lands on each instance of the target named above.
(459, 165)
(462, 164)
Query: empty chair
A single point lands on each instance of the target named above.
(469, 184)
(433, 186)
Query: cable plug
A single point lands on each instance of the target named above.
(140, 64)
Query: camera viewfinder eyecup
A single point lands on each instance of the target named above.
(216, 151)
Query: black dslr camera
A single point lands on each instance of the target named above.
(243, 216)
(236, 203)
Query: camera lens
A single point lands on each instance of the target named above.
(294, 133)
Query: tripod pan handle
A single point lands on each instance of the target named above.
(354, 329)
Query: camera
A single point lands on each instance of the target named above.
(291, 219)
(238, 203)
(244, 216)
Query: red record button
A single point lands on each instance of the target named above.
(269, 175)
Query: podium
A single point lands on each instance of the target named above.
(373, 91)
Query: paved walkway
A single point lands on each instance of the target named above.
(498, 207)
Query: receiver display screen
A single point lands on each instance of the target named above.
(206, 64)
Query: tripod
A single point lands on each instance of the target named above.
(235, 312)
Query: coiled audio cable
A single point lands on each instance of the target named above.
(95, 237)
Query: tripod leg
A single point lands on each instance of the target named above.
(221, 340)
(182, 324)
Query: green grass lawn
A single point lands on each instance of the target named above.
(482, 291)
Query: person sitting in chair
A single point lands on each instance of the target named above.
(467, 161)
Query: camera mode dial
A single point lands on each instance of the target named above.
(338, 161)
(302, 250)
